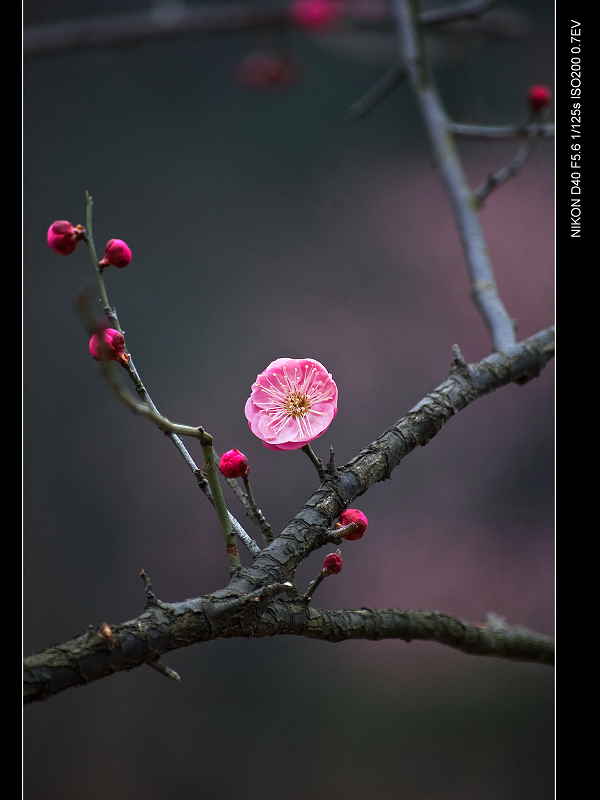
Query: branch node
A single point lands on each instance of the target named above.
(331, 468)
(459, 365)
(151, 599)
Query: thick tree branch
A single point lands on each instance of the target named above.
(164, 627)
(246, 607)
(491, 638)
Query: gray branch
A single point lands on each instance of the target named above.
(179, 19)
(483, 285)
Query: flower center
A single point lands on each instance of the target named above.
(297, 404)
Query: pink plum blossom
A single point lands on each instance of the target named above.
(116, 253)
(234, 464)
(355, 517)
(292, 402)
(108, 345)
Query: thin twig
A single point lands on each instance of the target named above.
(532, 130)
(507, 172)
(378, 92)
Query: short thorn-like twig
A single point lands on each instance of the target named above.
(158, 665)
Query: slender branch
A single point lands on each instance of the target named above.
(255, 513)
(533, 130)
(137, 26)
(146, 407)
(443, 16)
(507, 172)
(483, 285)
(483, 639)
(174, 431)
(394, 76)
(212, 475)
(181, 19)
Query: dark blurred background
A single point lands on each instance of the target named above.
(269, 225)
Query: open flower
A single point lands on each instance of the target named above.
(292, 402)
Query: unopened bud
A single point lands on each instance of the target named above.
(351, 516)
(108, 345)
(63, 237)
(116, 253)
(538, 97)
(332, 564)
(234, 464)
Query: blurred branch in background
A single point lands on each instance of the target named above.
(364, 29)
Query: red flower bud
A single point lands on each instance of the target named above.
(538, 97)
(314, 15)
(63, 237)
(332, 564)
(116, 253)
(234, 464)
(108, 345)
(352, 515)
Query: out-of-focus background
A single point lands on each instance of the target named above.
(269, 225)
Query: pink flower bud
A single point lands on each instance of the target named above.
(314, 15)
(108, 345)
(63, 237)
(332, 564)
(267, 72)
(116, 253)
(538, 97)
(352, 516)
(234, 464)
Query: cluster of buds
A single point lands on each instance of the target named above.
(351, 525)
(63, 238)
